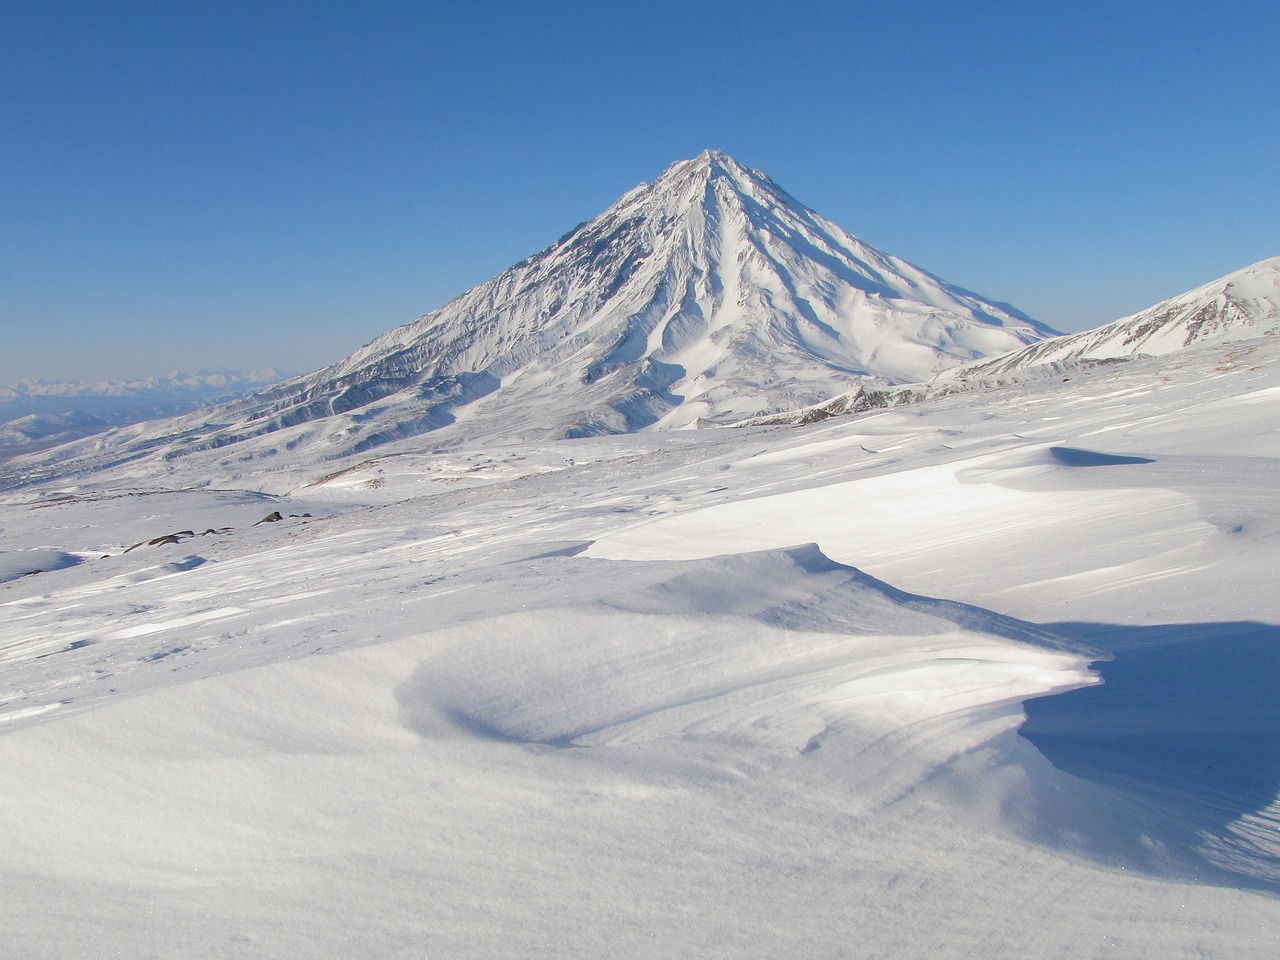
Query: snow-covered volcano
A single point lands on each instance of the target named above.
(707, 296)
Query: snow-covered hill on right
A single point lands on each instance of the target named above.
(1241, 305)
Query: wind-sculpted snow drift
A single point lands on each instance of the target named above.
(765, 648)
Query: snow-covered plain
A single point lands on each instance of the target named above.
(722, 693)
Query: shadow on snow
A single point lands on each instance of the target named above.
(1184, 730)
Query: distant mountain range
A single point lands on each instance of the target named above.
(35, 414)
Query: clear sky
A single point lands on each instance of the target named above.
(244, 185)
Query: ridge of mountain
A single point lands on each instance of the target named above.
(705, 297)
(1240, 306)
(36, 431)
(1244, 303)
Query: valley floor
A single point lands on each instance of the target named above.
(821, 691)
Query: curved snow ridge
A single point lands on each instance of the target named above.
(779, 653)
(15, 564)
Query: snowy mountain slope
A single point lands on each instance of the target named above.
(706, 296)
(710, 287)
(588, 697)
(1241, 306)
(37, 431)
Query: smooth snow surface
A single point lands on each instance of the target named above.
(734, 693)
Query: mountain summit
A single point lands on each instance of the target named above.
(707, 296)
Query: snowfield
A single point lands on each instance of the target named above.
(724, 693)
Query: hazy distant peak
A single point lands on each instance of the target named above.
(201, 381)
(40, 413)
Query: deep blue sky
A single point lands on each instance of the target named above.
(273, 184)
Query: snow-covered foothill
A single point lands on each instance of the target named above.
(1240, 306)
